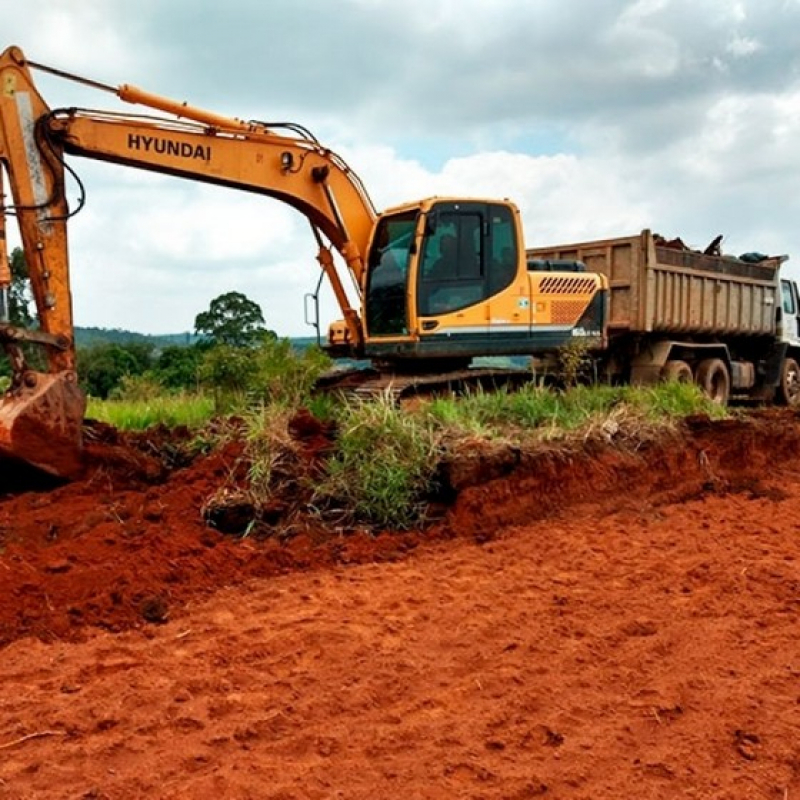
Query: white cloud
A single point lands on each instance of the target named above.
(742, 46)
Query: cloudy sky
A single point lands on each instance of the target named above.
(597, 117)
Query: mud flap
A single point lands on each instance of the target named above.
(773, 365)
(40, 423)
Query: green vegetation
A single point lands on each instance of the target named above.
(382, 467)
(232, 319)
(271, 372)
(383, 464)
(191, 410)
(544, 413)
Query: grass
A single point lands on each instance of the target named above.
(171, 410)
(552, 413)
(383, 464)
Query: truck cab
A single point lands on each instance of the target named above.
(788, 331)
(789, 317)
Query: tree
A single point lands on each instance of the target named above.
(176, 367)
(228, 371)
(102, 367)
(234, 320)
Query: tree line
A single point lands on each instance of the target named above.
(231, 344)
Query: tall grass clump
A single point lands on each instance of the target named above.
(267, 469)
(553, 413)
(140, 403)
(383, 465)
(271, 453)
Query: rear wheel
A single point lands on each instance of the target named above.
(714, 379)
(678, 371)
(789, 390)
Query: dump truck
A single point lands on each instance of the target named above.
(730, 324)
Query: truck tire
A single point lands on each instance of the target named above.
(675, 370)
(714, 379)
(789, 389)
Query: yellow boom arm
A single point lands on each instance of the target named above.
(290, 166)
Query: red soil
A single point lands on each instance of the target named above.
(599, 623)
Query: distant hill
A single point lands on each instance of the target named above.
(89, 337)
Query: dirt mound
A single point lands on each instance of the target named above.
(499, 486)
(128, 545)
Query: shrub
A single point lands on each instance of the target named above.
(383, 466)
(283, 375)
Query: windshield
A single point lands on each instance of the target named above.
(387, 272)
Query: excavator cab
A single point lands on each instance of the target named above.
(434, 271)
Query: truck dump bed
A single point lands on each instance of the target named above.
(657, 286)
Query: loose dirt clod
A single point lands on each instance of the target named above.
(154, 609)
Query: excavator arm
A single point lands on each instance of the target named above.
(42, 412)
(297, 171)
(41, 415)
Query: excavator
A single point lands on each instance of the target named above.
(438, 282)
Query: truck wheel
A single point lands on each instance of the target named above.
(789, 392)
(679, 371)
(713, 378)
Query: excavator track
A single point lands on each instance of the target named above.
(370, 383)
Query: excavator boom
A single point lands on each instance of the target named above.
(42, 412)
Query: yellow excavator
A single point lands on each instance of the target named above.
(439, 281)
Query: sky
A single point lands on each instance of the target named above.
(598, 118)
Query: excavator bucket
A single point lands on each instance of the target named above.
(40, 423)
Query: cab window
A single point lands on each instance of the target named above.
(788, 298)
(503, 267)
(387, 273)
